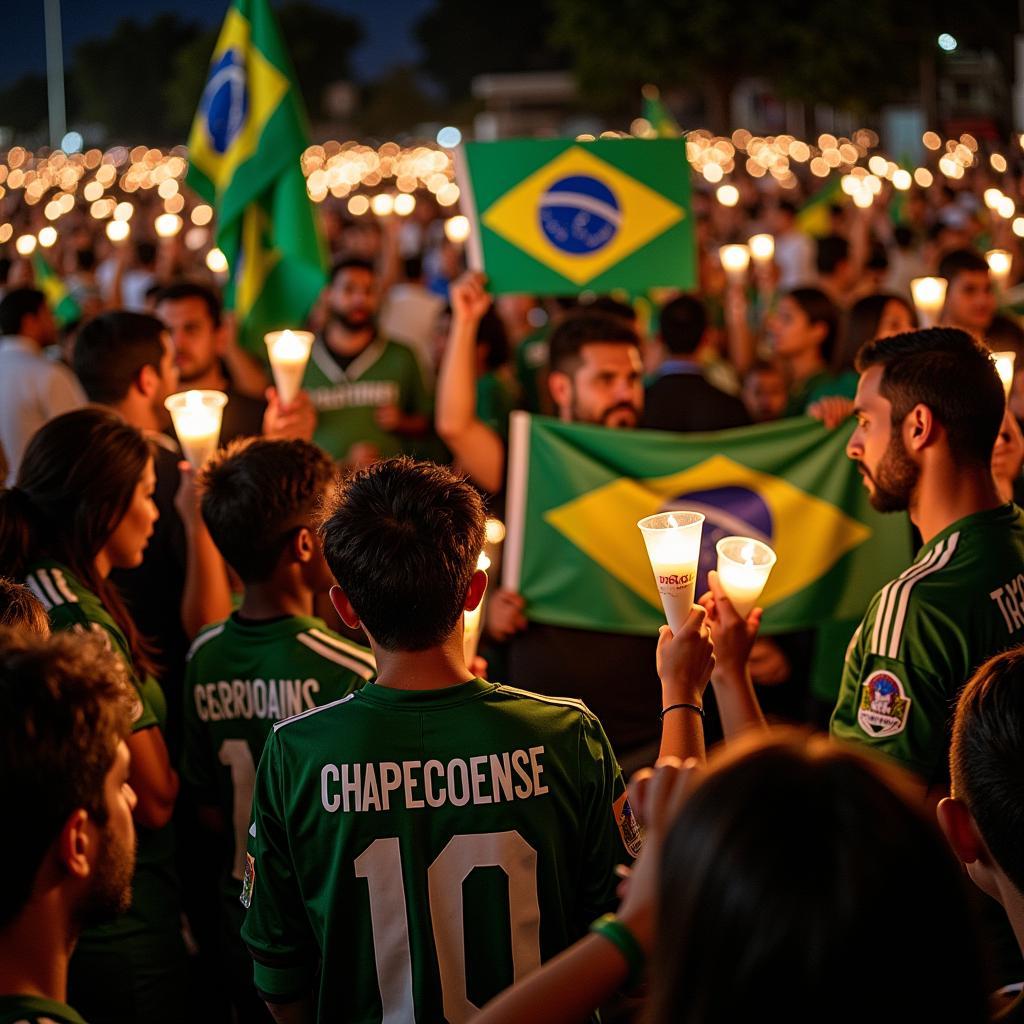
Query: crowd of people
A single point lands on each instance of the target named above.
(254, 775)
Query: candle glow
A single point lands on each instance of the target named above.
(197, 417)
(673, 547)
(929, 297)
(1004, 367)
(744, 565)
(289, 353)
(472, 619)
(762, 248)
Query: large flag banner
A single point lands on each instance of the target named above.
(556, 216)
(244, 159)
(575, 494)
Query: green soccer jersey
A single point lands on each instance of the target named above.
(346, 401)
(427, 848)
(243, 676)
(36, 1010)
(924, 633)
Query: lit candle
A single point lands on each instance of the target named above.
(929, 298)
(999, 263)
(197, 416)
(472, 619)
(289, 353)
(762, 249)
(1004, 367)
(735, 260)
(743, 568)
(673, 546)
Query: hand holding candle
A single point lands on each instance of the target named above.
(197, 416)
(289, 353)
(743, 568)
(673, 546)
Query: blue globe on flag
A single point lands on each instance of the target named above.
(225, 100)
(728, 512)
(579, 215)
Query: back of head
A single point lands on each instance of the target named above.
(402, 539)
(16, 305)
(581, 328)
(178, 291)
(255, 493)
(780, 880)
(63, 710)
(833, 250)
(987, 757)
(492, 334)
(683, 322)
(112, 349)
(20, 609)
(945, 369)
(961, 261)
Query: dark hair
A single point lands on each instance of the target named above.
(787, 206)
(255, 493)
(763, 366)
(351, 263)
(85, 259)
(492, 333)
(21, 609)
(64, 708)
(1005, 333)
(611, 306)
(772, 878)
(683, 322)
(180, 290)
(862, 326)
(832, 250)
(584, 328)
(75, 482)
(412, 267)
(987, 757)
(945, 369)
(961, 261)
(819, 309)
(402, 539)
(17, 304)
(111, 350)
(145, 253)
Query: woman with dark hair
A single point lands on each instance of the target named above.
(802, 334)
(81, 507)
(796, 880)
(874, 316)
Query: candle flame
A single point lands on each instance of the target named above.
(483, 562)
(747, 553)
(672, 520)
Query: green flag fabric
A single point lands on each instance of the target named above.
(63, 305)
(576, 492)
(557, 216)
(813, 217)
(658, 115)
(244, 159)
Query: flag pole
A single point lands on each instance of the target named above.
(55, 73)
(515, 501)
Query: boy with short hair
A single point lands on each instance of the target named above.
(270, 659)
(427, 840)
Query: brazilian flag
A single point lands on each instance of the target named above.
(244, 159)
(576, 492)
(813, 217)
(62, 304)
(557, 216)
(658, 115)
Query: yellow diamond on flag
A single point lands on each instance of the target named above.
(580, 216)
(810, 535)
(241, 93)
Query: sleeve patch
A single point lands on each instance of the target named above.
(884, 706)
(629, 828)
(248, 880)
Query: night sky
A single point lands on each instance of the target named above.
(387, 28)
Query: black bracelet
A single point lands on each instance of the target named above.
(672, 707)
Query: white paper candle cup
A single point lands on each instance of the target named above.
(288, 352)
(1004, 367)
(929, 297)
(673, 546)
(196, 416)
(744, 565)
(473, 620)
(762, 248)
(1000, 262)
(735, 260)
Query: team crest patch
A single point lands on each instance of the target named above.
(248, 880)
(629, 828)
(884, 705)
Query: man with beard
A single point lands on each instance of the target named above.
(368, 391)
(929, 405)
(64, 717)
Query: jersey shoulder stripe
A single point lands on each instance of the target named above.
(345, 646)
(36, 587)
(48, 587)
(311, 711)
(204, 637)
(338, 657)
(904, 599)
(62, 585)
(565, 702)
(889, 595)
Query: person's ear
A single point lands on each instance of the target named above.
(75, 847)
(959, 829)
(475, 594)
(920, 428)
(560, 388)
(344, 608)
(303, 545)
(147, 380)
